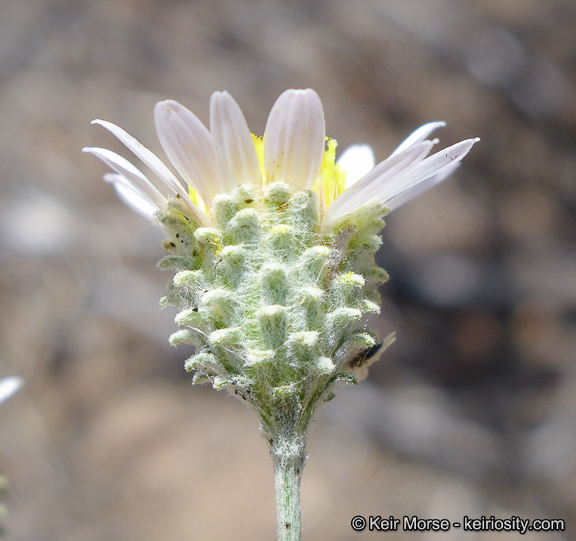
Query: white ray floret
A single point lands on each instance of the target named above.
(126, 170)
(147, 156)
(236, 155)
(188, 145)
(377, 184)
(419, 135)
(134, 199)
(294, 139)
(407, 173)
(417, 189)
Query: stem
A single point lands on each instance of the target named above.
(288, 457)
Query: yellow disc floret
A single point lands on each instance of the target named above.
(331, 180)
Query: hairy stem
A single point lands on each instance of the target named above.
(288, 456)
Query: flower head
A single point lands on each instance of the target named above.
(293, 150)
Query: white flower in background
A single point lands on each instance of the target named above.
(294, 150)
(8, 386)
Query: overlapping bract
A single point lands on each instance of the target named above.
(273, 307)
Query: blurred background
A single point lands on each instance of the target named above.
(471, 412)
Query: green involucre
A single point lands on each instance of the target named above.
(273, 305)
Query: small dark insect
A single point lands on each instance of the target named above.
(363, 356)
(194, 309)
(287, 525)
(249, 201)
(238, 393)
(173, 245)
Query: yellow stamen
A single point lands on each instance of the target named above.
(197, 200)
(331, 180)
(259, 144)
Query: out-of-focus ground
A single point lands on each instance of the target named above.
(471, 412)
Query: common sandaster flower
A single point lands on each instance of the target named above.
(273, 241)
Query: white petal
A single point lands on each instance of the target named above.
(421, 187)
(8, 386)
(169, 180)
(128, 171)
(438, 162)
(235, 151)
(188, 145)
(379, 184)
(132, 197)
(423, 170)
(294, 139)
(356, 161)
(419, 135)
(147, 156)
